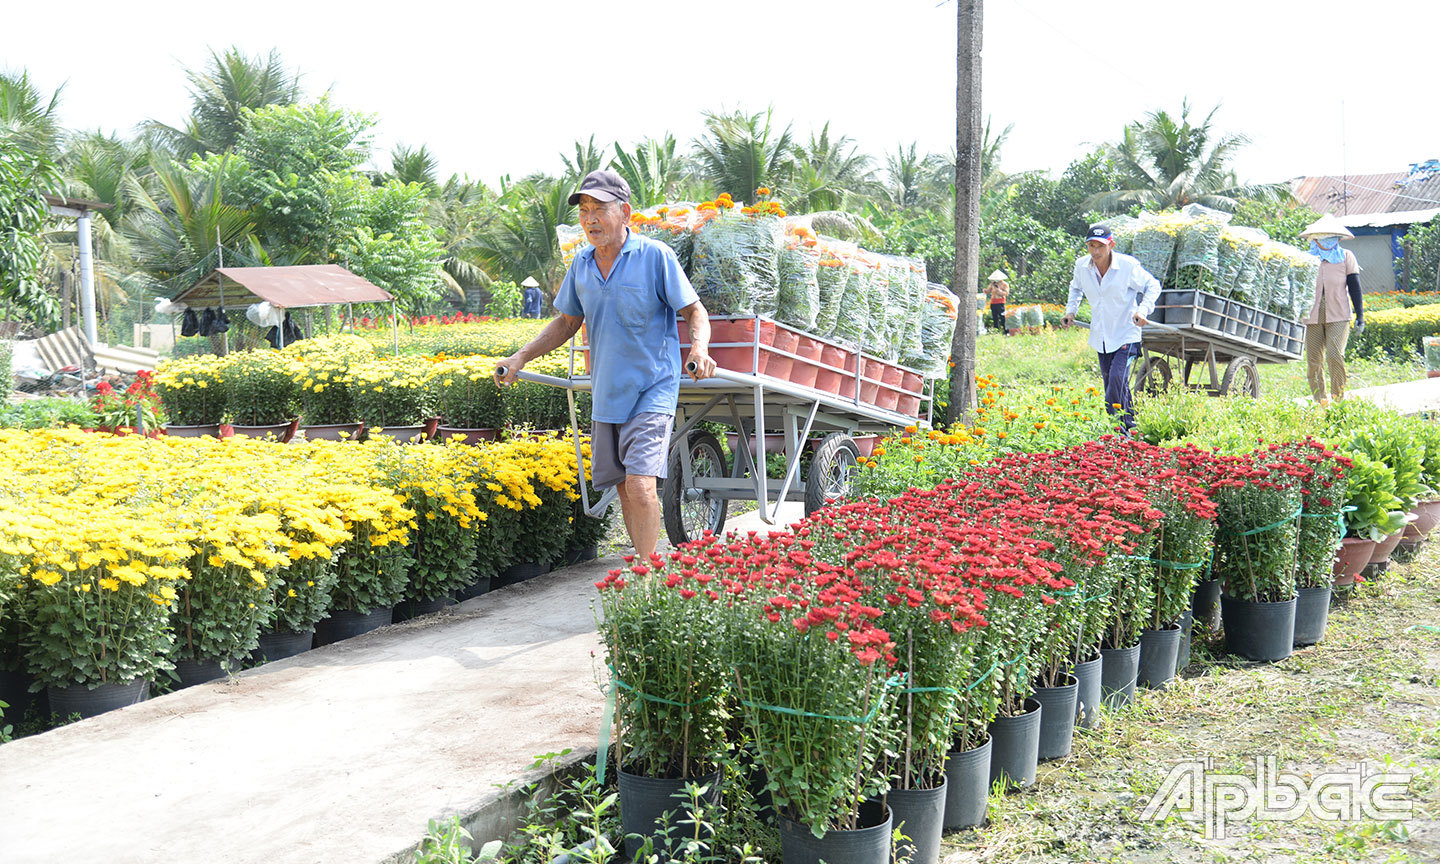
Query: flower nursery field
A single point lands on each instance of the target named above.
(1367, 693)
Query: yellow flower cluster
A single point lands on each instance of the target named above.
(514, 469)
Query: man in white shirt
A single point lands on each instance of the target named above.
(1122, 295)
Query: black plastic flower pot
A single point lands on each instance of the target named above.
(474, 589)
(192, 672)
(644, 801)
(868, 844)
(1118, 674)
(88, 702)
(522, 571)
(408, 609)
(1159, 652)
(344, 624)
(1187, 624)
(15, 692)
(1204, 603)
(1258, 631)
(1057, 720)
(1016, 751)
(1312, 612)
(919, 814)
(279, 645)
(1087, 693)
(578, 554)
(967, 786)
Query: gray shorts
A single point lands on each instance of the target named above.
(640, 445)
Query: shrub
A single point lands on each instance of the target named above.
(1395, 332)
(504, 300)
(259, 389)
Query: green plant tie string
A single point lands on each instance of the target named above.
(892, 681)
(648, 698)
(1273, 525)
(978, 681)
(1428, 627)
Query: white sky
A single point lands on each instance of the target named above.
(505, 87)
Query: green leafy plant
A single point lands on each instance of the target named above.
(372, 571)
(260, 389)
(192, 391)
(505, 300)
(466, 395)
(1258, 507)
(392, 391)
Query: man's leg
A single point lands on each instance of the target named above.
(1315, 360)
(1107, 358)
(1117, 383)
(640, 505)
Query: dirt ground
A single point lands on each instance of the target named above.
(1366, 694)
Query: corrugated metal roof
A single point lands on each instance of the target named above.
(1396, 217)
(1361, 194)
(287, 287)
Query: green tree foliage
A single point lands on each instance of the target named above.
(1062, 204)
(413, 166)
(520, 241)
(181, 212)
(655, 172)
(393, 247)
(830, 174)
(1165, 162)
(587, 159)
(24, 174)
(1283, 220)
(27, 118)
(231, 84)
(1424, 254)
(302, 181)
(741, 152)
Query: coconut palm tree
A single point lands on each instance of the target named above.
(179, 215)
(521, 240)
(742, 152)
(655, 172)
(587, 159)
(27, 117)
(831, 174)
(410, 165)
(1167, 162)
(460, 211)
(230, 83)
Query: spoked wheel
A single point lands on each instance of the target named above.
(1152, 376)
(831, 472)
(690, 511)
(1242, 378)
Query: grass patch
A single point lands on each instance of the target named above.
(1366, 693)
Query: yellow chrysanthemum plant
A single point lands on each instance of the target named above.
(466, 396)
(392, 391)
(321, 370)
(260, 388)
(527, 487)
(439, 484)
(100, 583)
(229, 594)
(192, 390)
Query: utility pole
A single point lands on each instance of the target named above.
(970, 16)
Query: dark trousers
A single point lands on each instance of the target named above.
(997, 316)
(1115, 371)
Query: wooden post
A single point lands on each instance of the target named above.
(968, 145)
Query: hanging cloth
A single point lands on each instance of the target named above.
(190, 323)
(1334, 254)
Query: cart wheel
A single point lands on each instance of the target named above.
(1152, 376)
(1241, 378)
(690, 512)
(831, 472)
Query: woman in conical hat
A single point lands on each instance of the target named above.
(998, 291)
(1337, 297)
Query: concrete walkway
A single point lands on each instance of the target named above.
(1406, 397)
(341, 754)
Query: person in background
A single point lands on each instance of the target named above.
(627, 290)
(1337, 294)
(997, 292)
(532, 302)
(1122, 295)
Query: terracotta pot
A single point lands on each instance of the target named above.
(891, 375)
(1384, 547)
(472, 436)
(1427, 516)
(1432, 373)
(739, 357)
(912, 382)
(908, 405)
(334, 432)
(887, 398)
(774, 443)
(778, 365)
(1354, 554)
(804, 374)
(866, 444)
(869, 390)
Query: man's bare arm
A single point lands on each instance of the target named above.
(555, 334)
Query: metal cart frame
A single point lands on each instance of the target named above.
(752, 405)
(1234, 343)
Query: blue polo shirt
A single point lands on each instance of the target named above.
(630, 319)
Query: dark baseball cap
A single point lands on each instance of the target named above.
(1101, 233)
(602, 185)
